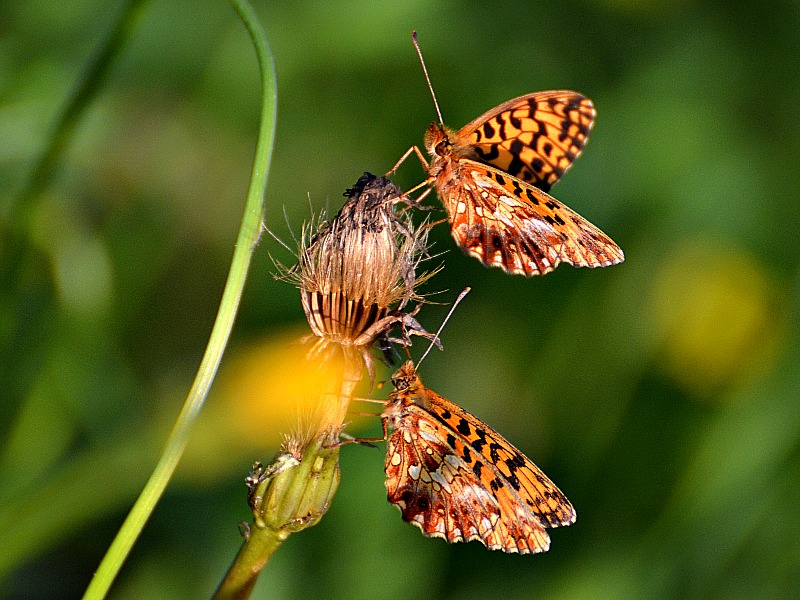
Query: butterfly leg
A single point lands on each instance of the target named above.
(413, 149)
(381, 327)
(365, 441)
(349, 439)
(410, 326)
(415, 202)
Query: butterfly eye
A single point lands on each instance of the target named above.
(400, 383)
(443, 147)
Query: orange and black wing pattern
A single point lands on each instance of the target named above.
(454, 477)
(535, 137)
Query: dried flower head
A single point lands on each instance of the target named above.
(356, 273)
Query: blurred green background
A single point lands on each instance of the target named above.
(662, 395)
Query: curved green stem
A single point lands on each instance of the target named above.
(246, 240)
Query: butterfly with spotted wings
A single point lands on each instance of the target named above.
(493, 176)
(454, 477)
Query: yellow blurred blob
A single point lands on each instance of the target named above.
(264, 391)
(275, 386)
(715, 316)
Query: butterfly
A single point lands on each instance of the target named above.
(493, 176)
(454, 477)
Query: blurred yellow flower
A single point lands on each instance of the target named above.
(264, 391)
(716, 315)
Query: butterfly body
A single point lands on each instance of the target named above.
(493, 175)
(456, 478)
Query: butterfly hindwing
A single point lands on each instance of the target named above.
(504, 222)
(432, 488)
(440, 493)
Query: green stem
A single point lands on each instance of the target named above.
(246, 240)
(251, 559)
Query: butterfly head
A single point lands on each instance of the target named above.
(438, 140)
(406, 378)
(441, 141)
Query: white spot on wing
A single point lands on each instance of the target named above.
(437, 477)
(452, 460)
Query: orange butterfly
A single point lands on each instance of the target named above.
(456, 478)
(493, 176)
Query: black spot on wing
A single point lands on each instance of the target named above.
(478, 444)
(502, 123)
(518, 461)
(493, 455)
(405, 497)
(516, 166)
(430, 462)
(489, 156)
(513, 481)
(496, 240)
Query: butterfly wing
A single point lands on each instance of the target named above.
(431, 477)
(517, 483)
(504, 222)
(535, 137)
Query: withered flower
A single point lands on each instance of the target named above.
(356, 274)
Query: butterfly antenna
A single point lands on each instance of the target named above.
(428, 79)
(463, 293)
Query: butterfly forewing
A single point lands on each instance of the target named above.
(508, 466)
(454, 477)
(535, 137)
